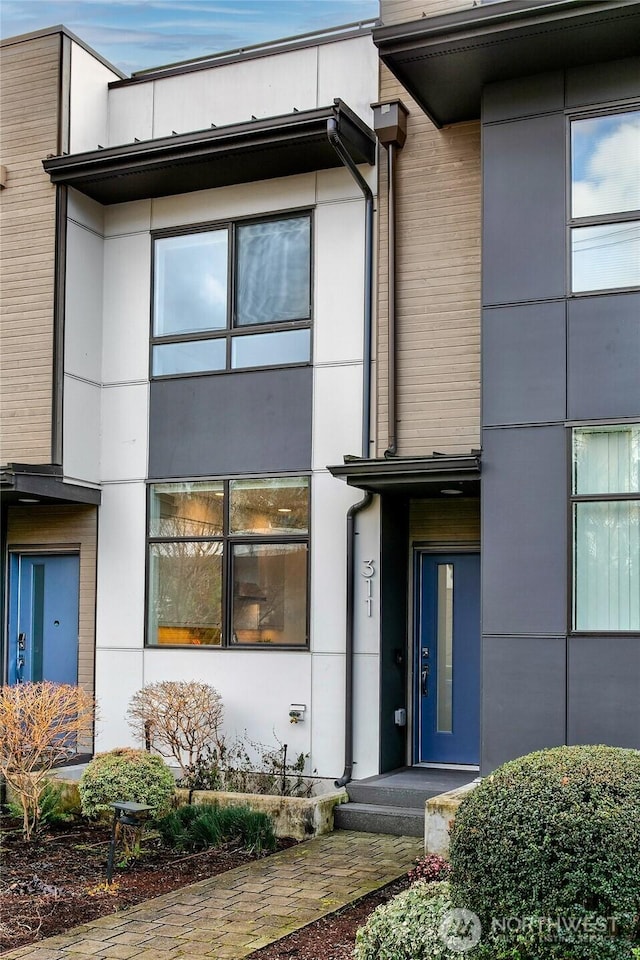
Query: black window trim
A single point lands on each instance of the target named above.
(574, 498)
(231, 329)
(609, 109)
(228, 539)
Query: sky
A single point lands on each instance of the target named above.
(137, 34)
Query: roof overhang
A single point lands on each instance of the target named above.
(23, 484)
(238, 153)
(414, 476)
(444, 62)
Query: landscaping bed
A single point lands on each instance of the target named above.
(72, 859)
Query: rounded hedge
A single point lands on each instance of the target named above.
(554, 834)
(408, 927)
(124, 774)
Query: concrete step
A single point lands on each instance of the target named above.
(412, 797)
(370, 818)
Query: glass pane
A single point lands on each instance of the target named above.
(606, 256)
(606, 459)
(269, 506)
(271, 349)
(190, 283)
(270, 593)
(191, 357)
(445, 647)
(607, 566)
(185, 593)
(274, 271)
(605, 164)
(186, 509)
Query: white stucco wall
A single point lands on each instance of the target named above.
(88, 101)
(234, 92)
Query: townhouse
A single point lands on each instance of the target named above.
(327, 392)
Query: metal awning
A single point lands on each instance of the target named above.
(237, 153)
(445, 61)
(414, 476)
(24, 484)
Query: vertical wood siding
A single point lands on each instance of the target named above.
(50, 527)
(445, 521)
(437, 286)
(28, 132)
(402, 11)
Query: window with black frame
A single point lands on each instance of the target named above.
(606, 528)
(233, 296)
(605, 202)
(228, 562)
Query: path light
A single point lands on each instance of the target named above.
(125, 814)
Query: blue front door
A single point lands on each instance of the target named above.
(448, 658)
(43, 618)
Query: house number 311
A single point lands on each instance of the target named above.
(368, 573)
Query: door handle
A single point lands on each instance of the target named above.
(425, 682)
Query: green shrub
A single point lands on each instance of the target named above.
(54, 810)
(408, 927)
(555, 834)
(124, 774)
(197, 827)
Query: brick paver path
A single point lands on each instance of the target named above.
(235, 913)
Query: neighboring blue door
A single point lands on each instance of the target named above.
(448, 662)
(43, 618)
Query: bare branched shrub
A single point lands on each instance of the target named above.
(40, 725)
(178, 718)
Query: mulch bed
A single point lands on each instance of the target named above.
(333, 937)
(72, 859)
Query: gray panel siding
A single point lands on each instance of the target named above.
(604, 356)
(604, 680)
(602, 82)
(524, 511)
(523, 702)
(548, 358)
(524, 201)
(524, 368)
(236, 423)
(524, 97)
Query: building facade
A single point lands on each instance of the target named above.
(327, 394)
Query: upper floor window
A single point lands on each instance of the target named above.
(605, 202)
(232, 297)
(606, 528)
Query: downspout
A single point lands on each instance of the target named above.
(390, 125)
(392, 438)
(337, 144)
(339, 147)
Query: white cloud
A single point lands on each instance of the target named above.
(612, 182)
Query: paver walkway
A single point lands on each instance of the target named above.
(235, 913)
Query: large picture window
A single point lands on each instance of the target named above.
(228, 562)
(606, 528)
(232, 297)
(605, 202)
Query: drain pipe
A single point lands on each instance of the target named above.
(339, 147)
(390, 125)
(392, 438)
(346, 158)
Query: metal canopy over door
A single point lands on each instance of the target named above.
(43, 618)
(448, 662)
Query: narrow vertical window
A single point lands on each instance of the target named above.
(606, 528)
(605, 202)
